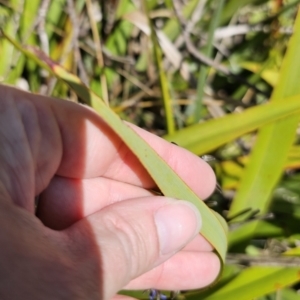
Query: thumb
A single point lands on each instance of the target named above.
(134, 236)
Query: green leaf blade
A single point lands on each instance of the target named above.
(205, 137)
(214, 230)
(255, 282)
(274, 140)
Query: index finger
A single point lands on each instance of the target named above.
(91, 149)
(108, 156)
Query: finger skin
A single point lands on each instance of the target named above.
(122, 297)
(94, 258)
(183, 271)
(126, 234)
(38, 263)
(31, 149)
(109, 240)
(67, 201)
(82, 133)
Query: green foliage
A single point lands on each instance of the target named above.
(216, 77)
(214, 227)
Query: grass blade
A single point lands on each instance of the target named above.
(205, 137)
(274, 140)
(167, 102)
(214, 228)
(204, 69)
(255, 282)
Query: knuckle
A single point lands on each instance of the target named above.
(132, 238)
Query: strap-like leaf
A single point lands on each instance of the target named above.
(213, 229)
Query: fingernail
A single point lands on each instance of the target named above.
(177, 223)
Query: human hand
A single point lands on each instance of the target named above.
(98, 228)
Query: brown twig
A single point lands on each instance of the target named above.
(75, 43)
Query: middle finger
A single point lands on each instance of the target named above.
(66, 201)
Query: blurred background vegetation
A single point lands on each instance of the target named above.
(168, 66)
